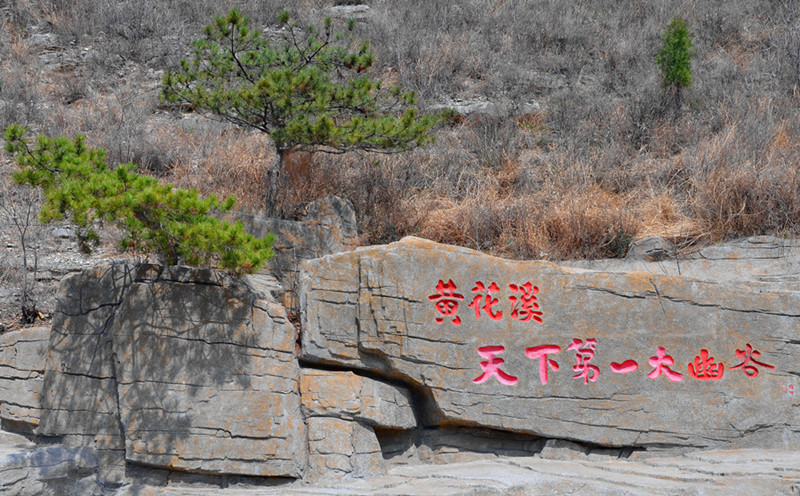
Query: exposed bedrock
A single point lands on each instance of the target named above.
(176, 368)
(633, 359)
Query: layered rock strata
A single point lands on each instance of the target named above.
(175, 368)
(617, 359)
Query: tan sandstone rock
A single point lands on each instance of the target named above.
(611, 358)
(340, 448)
(351, 397)
(184, 369)
(23, 355)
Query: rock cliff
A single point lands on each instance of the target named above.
(418, 368)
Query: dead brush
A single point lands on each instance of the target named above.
(592, 223)
(236, 164)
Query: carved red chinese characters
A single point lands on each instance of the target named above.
(541, 353)
(491, 367)
(447, 301)
(749, 355)
(584, 354)
(524, 307)
(661, 363)
(488, 301)
(704, 369)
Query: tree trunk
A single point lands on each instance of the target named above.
(273, 175)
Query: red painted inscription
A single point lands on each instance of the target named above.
(704, 368)
(524, 307)
(749, 362)
(491, 367)
(661, 363)
(541, 353)
(447, 301)
(584, 354)
(625, 367)
(485, 295)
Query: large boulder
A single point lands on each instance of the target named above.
(636, 359)
(178, 368)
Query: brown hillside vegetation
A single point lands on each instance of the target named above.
(585, 154)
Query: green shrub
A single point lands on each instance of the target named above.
(675, 57)
(308, 91)
(173, 223)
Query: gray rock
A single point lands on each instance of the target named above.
(48, 470)
(558, 449)
(351, 397)
(329, 226)
(358, 12)
(738, 473)
(645, 382)
(651, 249)
(43, 40)
(185, 369)
(341, 449)
(62, 232)
(474, 107)
(23, 355)
(757, 261)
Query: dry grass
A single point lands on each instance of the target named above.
(604, 159)
(235, 164)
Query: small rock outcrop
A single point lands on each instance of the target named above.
(342, 409)
(328, 226)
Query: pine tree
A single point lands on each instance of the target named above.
(173, 223)
(309, 91)
(675, 58)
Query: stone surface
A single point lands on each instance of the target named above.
(341, 449)
(23, 355)
(185, 369)
(473, 107)
(375, 310)
(651, 249)
(759, 261)
(341, 409)
(48, 470)
(230, 403)
(358, 12)
(348, 396)
(329, 226)
(79, 394)
(729, 473)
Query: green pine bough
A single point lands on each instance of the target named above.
(173, 223)
(675, 57)
(306, 87)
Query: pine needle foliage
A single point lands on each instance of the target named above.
(307, 89)
(675, 57)
(172, 223)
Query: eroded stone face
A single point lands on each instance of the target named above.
(340, 448)
(183, 369)
(611, 358)
(348, 396)
(23, 355)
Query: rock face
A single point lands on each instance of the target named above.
(637, 360)
(175, 368)
(328, 226)
(23, 355)
(341, 410)
(26, 470)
